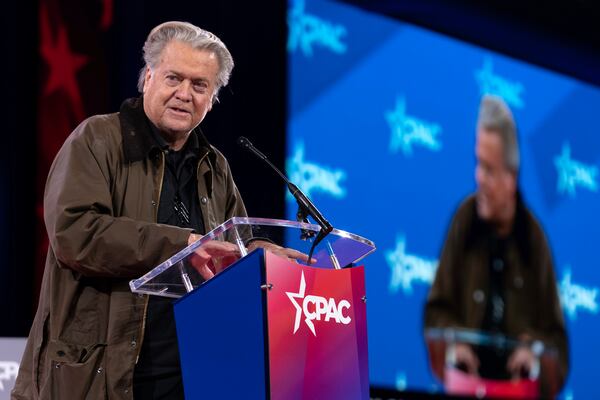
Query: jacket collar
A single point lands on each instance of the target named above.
(482, 230)
(138, 142)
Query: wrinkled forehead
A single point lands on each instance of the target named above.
(190, 62)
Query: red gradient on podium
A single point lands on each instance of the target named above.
(338, 347)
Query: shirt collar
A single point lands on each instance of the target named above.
(138, 138)
(191, 146)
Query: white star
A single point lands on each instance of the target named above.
(300, 295)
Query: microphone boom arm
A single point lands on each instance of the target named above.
(305, 206)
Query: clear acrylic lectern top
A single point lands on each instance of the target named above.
(177, 275)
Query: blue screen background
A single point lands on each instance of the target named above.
(381, 135)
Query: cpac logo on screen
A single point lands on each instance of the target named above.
(573, 173)
(408, 131)
(574, 296)
(312, 177)
(490, 83)
(408, 268)
(317, 308)
(308, 30)
(8, 371)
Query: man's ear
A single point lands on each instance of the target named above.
(147, 77)
(213, 99)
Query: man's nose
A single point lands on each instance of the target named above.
(183, 92)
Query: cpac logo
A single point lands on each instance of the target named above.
(8, 371)
(311, 177)
(307, 30)
(317, 308)
(573, 173)
(490, 83)
(408, 268)
(574, 296)
(408, 131)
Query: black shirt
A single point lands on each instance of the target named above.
(493, 358)
(158, 373)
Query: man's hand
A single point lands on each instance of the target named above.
(213, 256)
(521, 362)
(194, 237)
(284, 252)
(466, 358)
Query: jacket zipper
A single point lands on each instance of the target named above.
(143, 329)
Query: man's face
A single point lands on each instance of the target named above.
(179, 91)
(496, 184)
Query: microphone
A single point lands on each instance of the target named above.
(305, 206)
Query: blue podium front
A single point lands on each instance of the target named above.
(222, 334)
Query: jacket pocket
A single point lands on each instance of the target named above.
(75, 372)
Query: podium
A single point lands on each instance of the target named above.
(267, 327)
(441, 343)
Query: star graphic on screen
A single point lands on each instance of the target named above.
(62, 63)
(300, 295)
(572, 173)
(575, 297)
(107, 14)
(563, 163)
(408, 269)
(408, 131)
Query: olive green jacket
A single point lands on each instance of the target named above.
(459, 292)
(100, 210)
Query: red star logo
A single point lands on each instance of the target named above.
(62, 63)
(107, 14)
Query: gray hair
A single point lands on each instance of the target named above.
(495, 116)
(198, 38)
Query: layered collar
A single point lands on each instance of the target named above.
(139, 142)
(520, 233)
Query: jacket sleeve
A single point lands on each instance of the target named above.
(84, 233)
(551, 322)
(442, 308)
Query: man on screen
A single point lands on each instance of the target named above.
(125, 192)
(495, 273)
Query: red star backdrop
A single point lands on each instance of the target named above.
(73, 85)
